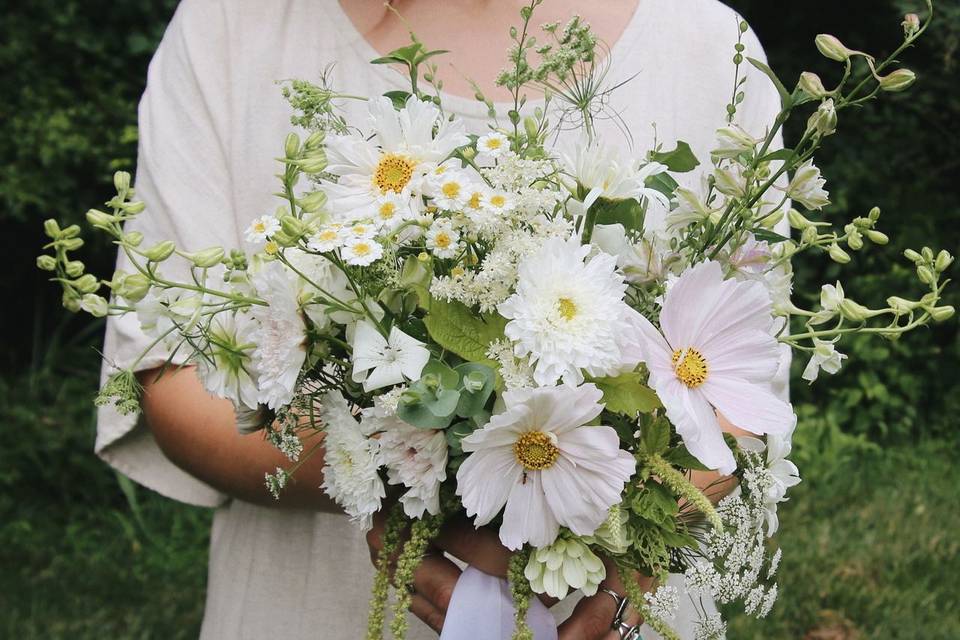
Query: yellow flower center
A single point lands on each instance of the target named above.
(393, 172)
(442, 240)
(474, 202)
(387, 210)
(536, 451)
(456, 272)
(567, 308)
(690, 366)
(498, 201)
(451, 189)
(260, 227)
(327, 235)
(361, 249)
(271, 248)
(494, 143)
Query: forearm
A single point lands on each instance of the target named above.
(198, 433)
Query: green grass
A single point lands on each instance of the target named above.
(870, 539)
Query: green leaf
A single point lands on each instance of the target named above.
(785, 98)
(627, 212)
(398, 98)
(456, 328)
(779, 154)
(458, 432)
(765, 235)
(664, 183)
(626, 394)
(434, 412)
(449, 379)
(655, 437)
(679, 456)
(404, 55)
(473, 402)
(679, 160)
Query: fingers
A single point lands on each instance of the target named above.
(426, 612)
(592, 618)
(434, 581)
(480, 548)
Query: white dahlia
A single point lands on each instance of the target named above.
(715, 353)
(568, 314)
(404, 149)
(225, 368)
(541, 459)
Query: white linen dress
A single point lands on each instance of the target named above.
(212, 120)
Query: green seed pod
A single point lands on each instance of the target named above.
(46, 263)
(160, 251)
(292, 226)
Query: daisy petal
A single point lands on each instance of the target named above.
(527, 518)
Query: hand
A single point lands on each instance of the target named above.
(593, 616)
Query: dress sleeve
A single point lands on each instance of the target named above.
(760, 108)
(183, 176)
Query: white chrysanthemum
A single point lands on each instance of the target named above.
(569, 316)
(415, 458)
(226, 369)
(351, 460)
(381, 362)
(541, 459)
(262, 228)
(493, 145)
(279, 335)
(564, 565)
(715, 352)
(442, 239)
(361, 252)
(395, 160)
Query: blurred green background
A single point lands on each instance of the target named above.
(871, 537)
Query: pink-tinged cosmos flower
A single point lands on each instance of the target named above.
(715, 354)
(541, 459)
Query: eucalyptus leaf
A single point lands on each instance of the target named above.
(472, 402)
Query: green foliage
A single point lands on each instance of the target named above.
(455, 328)
(627, 394)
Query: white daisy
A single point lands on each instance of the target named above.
(390, 210)
(395, 160)
(500, 202)
(715, 352)
(442, 239)
(541, 459)
(279, 335)
(452, 191)
(493, 145)
(568, 314)
(361, 251)
(328, 238)
(360, 230)
(351, 461)
(380, 362)
(262, 228)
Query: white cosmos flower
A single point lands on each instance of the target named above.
(715, 352)
(568, 314)
(825, 356)
(262, 228)
(361, 251)
(541, 459)
(807, 187)
(442, 239)
(351, 462)
(279, 335)
(395, 160)
(493, 145)
(380, 362)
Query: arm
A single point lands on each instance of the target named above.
(197, 432)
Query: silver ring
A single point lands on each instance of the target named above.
(622, 604)
(628, 632)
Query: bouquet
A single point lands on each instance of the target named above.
(536, 336)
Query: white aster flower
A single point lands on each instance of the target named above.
(568, 314)
(279, 335)
(500, 202)
(360, 230)
(351, 461)
(226, 368)
(541, 459)
(715, 352)
(825, 356)
(564, 565)
(493, 145)
(396, 159)
(361, 251)
(328, 238)
(391, 209)
(442, 239)
(262, 228)
(807, 187)
(452, 191)
(380, 362)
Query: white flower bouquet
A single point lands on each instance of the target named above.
(542, 339)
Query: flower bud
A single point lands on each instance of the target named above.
(855, 240)
(809, 235)
(87, 283)
(313, 201)
(838, 255)
(773, 219)
(291, 146)
(824, 120)
(898, 80)
(94, 305)
(74, 268)
(925, 274)
(530, 127)
(71, 301)
(876, 237)
(942, 313)
(133, 208)
(797, 220)
(133, 238)
(853, 311)
(100, 219)
(911, 24)
(51, 228)
(46, 263)
(293, 226)
(912, 255)
(944, 260)
(160, 251)
(315, 163)
(874, 214)
(206, 258)
(831, 47)
(121, 181)
(812, 85)
(71, 244)
(133, 287)
(314, 141)
(900, 305)
(927, 254)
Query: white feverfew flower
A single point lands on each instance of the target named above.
(328, 238)
(279, 335)
(381, 362)
(361, 252)
(542, 460)
(359, 231)
(452, 191)
(825, 356)
(443, 240)
(806, 187)
(391, 210)
(493, 145)
(568, 314)
(500, 202)
(565, 565)
(716, 354)
(351, 460)
(261, 229)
